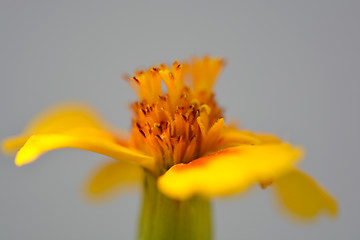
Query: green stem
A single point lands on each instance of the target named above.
(163, 218)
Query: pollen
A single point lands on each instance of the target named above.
(182, 123)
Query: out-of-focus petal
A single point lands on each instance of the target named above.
(229, 170)
(234, 137)
(302, 196)
(110, 178)
(12, 144)
(56, 119)
(83, 138)
(267, 138)
(65, 116)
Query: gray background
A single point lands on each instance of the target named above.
(293, 70)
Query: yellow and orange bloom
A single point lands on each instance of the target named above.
(180, 140)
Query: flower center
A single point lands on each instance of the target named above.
(178, 126)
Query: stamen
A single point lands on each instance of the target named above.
(136, 80)
(142, 132)
(179, 125)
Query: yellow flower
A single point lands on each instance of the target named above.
(181, 139)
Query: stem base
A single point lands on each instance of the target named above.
(163, 218)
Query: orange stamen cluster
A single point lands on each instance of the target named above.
(182, 124)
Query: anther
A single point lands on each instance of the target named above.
(163, 98)
(136, 80)
(142, 132)
(158, 137)
(159, 127)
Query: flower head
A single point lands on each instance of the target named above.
(183, 124)
(179, 135)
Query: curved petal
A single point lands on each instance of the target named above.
(302, 196)
(110, 178)
(71, 125)
(56, 119)
(229, 170)
(83, 138)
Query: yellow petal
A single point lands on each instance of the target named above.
(110, 178)
(233, 137)
(229, 170)
(58, 118)
(302, 196)
(85, 138)
(266, 138)
(65, 116)
(12, 144)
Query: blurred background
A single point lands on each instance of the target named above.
(293, 69)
